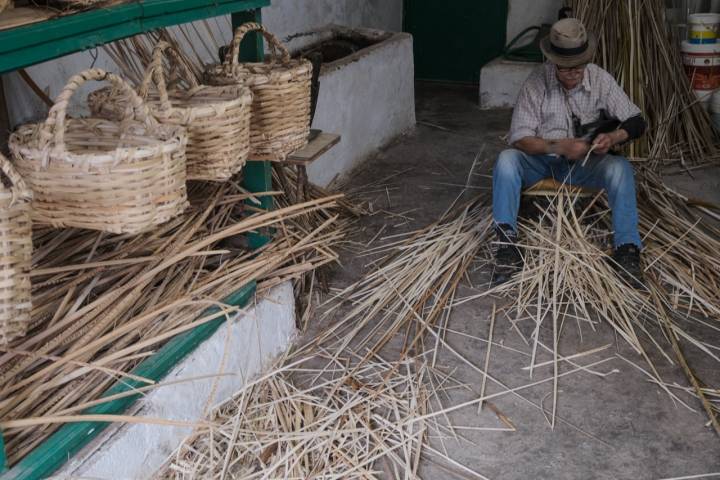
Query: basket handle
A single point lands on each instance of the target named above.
(156, 72)
(234, 52)
(53, 129)
(19, 187)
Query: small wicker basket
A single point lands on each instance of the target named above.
(217, 119)
(16, 247)
(119, 177)
(281, 87)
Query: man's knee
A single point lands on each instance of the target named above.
(509, 163)
(616, 170)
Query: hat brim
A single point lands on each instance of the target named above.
(569, 60)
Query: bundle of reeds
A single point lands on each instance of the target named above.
(681, 246)
(636, 45)
(308, 287)
(104, 302)
(410, 289)
(134, 55)
(569, 276)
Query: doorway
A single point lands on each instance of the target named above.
(455, 38)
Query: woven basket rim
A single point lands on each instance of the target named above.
(275, 71)
(15, 193)
(8, 199)
(24, 140)
(242, 98)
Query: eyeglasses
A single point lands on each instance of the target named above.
(576, 69)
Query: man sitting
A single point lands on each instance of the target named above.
(557, 99)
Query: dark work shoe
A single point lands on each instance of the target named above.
(626, 260)
(508, 259)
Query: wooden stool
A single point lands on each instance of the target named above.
(536, 198)
(549, 187)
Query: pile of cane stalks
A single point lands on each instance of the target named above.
(569, 276)
(103, 302)
(340, 405)
(344, 405)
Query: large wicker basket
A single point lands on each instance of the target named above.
(16, 247)
(281, 87)
(217, 119)
(115, 176)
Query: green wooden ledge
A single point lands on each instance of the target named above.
(42, 41)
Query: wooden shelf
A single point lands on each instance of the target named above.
(313, 150)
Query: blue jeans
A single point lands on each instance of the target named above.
(516, 170)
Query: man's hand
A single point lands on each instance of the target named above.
(603, 143)
(571, 148)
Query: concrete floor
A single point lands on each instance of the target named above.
(618, 426)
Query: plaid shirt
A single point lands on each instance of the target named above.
(544, 108)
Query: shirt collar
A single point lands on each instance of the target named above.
(551, 72)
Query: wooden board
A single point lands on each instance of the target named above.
(313, 150)
(16, 17)
(550, 187)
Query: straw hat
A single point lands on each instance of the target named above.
(569, 44)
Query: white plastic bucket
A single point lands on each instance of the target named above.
(703, 27)
(702, 64)
(715, 109)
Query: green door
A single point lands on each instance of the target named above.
(453, 39)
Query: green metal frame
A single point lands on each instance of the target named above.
(38, 42)
(31, 44)
(257, 175)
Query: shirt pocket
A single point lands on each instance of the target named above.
(591, 109)
(554, 124)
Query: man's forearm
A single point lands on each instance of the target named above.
(540, 146)
(571, 148)
(533, 146)
(634, 127)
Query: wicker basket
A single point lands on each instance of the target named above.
(217, 119)
(16, 246)
(119, 177)
(281, 87)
